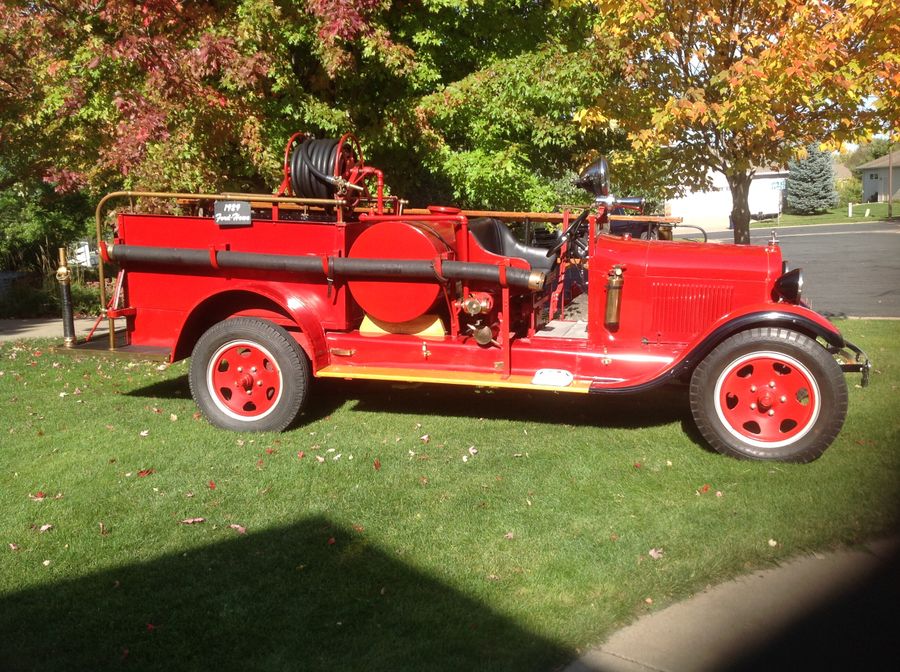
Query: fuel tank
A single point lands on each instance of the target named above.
(398, 299)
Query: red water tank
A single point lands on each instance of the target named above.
(396, 299)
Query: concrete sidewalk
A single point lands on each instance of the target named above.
(13, 330)
(822, 611)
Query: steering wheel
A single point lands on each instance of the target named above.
(572, 232)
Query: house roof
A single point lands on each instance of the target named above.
(841, 172)
(882, 161)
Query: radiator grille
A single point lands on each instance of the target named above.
(682, 309)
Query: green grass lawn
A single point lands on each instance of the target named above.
(382, 548)
(837, 215)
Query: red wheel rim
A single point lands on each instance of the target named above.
(244, 380)
(767, 399)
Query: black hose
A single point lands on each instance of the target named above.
(340, 266)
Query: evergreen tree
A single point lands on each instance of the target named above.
(810, 183)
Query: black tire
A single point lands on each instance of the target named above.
(769, 394)
(239, 357)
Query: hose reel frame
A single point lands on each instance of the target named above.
(325, 168)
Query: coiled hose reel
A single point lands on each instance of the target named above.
(328, 168)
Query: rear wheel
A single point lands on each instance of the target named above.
(249, 375)
(769, 394)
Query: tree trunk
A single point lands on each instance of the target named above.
(740, 208)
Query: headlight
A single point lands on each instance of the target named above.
(789, 287)
(595, 178)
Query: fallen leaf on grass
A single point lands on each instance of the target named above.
(773, 543)
(377, 464)
(301, 455)
(637, 465)
(46, 563)
(240, 529)
(13, 547)
(320, 459)
(173, 417)
(38, 496)
(212, 485)
(103, 530)
(655, 553)
(332, 541)
(359, 528)
(192, 521)
(143, 473)
(509, 535)
(46, 527)
(719, 493)
(473, 450)
(425, 438)
(197, 415)
(145, 432)
(703, 489)
(648, 600)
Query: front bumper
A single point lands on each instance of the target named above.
(853, 360)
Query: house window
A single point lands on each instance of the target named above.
(873, 176)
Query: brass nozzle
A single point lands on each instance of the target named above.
(536, 280)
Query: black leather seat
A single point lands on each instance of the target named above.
(495, 237)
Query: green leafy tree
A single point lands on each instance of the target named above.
(810, 186)
(867, 151)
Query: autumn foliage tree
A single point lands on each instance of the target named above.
(731, 85)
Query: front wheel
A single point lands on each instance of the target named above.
(249, 375)
(769, 394)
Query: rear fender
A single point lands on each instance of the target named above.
(202, 315)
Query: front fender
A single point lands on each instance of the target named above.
(785, 315)
(789, 316)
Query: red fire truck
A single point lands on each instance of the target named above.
(332, 278)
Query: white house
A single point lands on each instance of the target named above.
(880, 176)
(712, 209)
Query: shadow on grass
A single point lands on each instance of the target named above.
(662, 406)
(320, 404)
(658, 407)
(281, 599)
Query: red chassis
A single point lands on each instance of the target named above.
(324, 280)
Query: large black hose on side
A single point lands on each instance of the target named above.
(312, 168)
(337, 266)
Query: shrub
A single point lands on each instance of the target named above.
(849, 191)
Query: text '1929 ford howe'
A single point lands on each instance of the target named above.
(331, 278)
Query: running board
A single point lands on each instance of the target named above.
(469, 378)
(100, 346)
